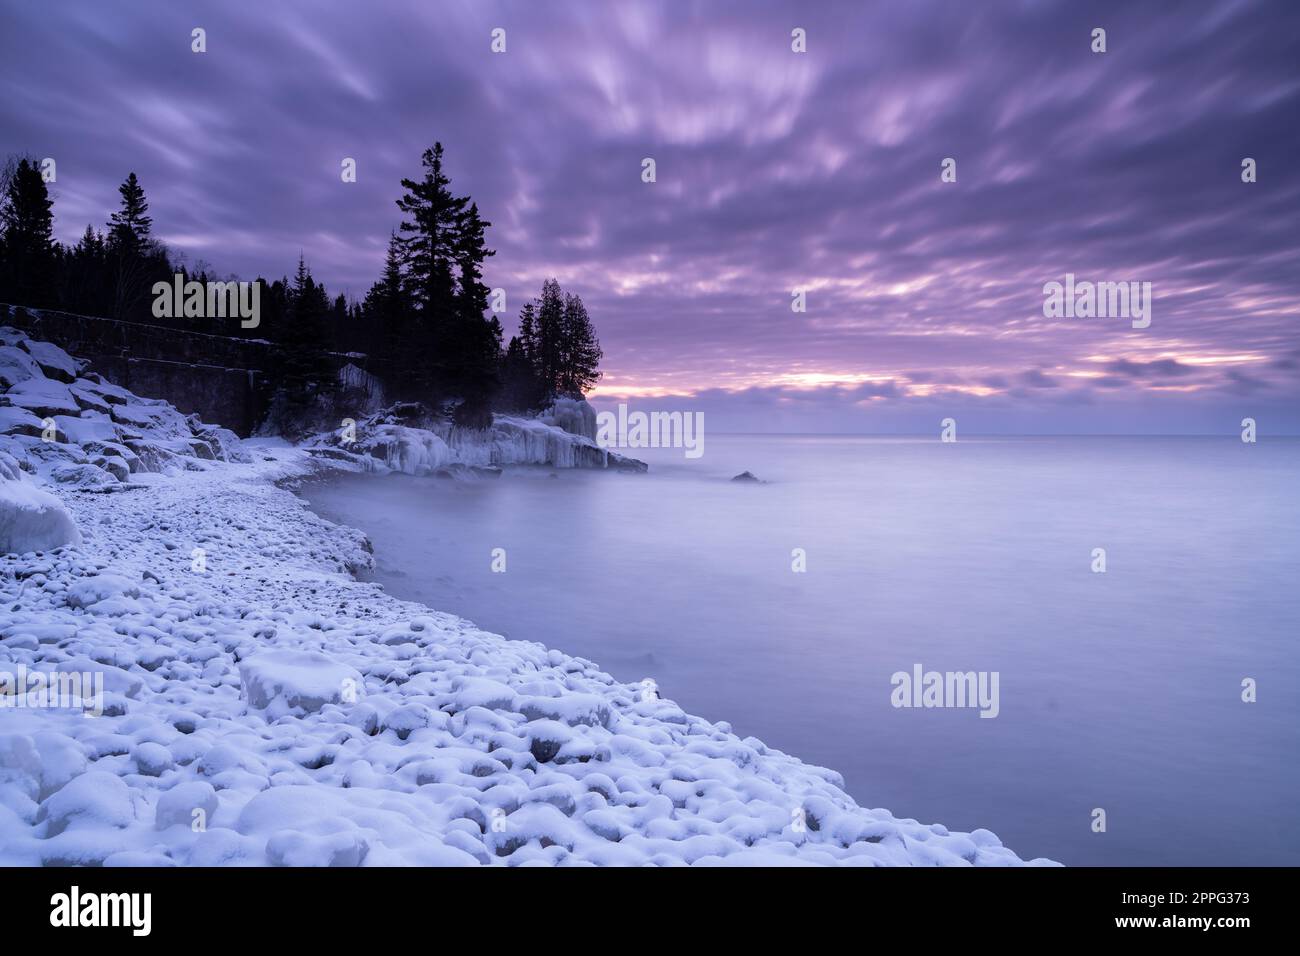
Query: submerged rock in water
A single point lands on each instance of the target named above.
(747, 476)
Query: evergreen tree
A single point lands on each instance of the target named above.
(305, 372)
(474, 342)
(83, 285)
(580, 352)
(521, 389)
(558, 342)
(136, 262)
(528, 336)
(548, 359)
(450, 348)
(428, 241)
(29, 257)
(388, 314)
(128, 228)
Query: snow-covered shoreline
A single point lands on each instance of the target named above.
(262, 706)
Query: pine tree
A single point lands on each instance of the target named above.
(428, 244)
(136, 262)
(83, 284)
(29, 260)
(579, 350)
(559, 343)
(451, 349)
(521, 390)
(306, 371)
(528, 339)
(129, 226)
(471, 252)
(388, 316)
(550, 330)
(474, 342)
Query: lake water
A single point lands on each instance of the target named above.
(1119, 690)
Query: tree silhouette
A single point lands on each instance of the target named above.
(128, 228)
(28, 255)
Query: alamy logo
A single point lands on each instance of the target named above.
(53, 690)
(922, 688)
(651, 430)
(211, 300)
(1103, 300)
(133, 910)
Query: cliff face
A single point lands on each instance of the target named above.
(406, 438)
(215, 377)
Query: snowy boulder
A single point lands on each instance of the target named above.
(746, 476)
(481, 692)
(16, 366)
(571, 709)
(61, 761)
(85, 476)
(295, 848)
(101, 587)
(158, 419)
(224, 442)
(546, 738)
(90, 427)
(296, 682)
(88, 399)
(53, 361)
(115, 679)
(15, 420)
(43, 397)
(94, 800)
(9, 467)
(178, 805)
(20, 765)
(32, 520)
(151, 759)
(115, 466)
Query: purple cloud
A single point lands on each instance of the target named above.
(776, 171)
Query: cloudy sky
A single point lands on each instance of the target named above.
(776, 171)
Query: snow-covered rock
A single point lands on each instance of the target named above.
(16, 366)
(406, 438)
(296, 682)
(65, 424)
(32, 520)
(53, 361)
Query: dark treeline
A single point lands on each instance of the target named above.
(425, 325)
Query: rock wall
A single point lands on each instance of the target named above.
(215, 377)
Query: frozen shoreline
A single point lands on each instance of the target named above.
(307, 718)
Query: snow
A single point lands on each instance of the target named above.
(31, 519)
(43, 397)
(402, 438)
(54, 362)
(15, 420)
(88, 428)
(571, 415)
(296, 682)
(263, 706)
(16, 366)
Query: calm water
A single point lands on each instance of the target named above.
(1119, 690)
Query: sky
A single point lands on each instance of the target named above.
(775, 171)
